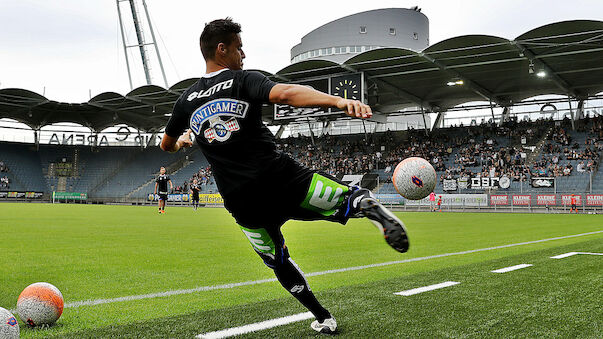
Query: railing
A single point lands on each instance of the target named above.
(533, 202)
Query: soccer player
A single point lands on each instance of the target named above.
(162, 183)
(574, 207)
(263, 188)
(439, 203)
(194, 189)
(432, 201)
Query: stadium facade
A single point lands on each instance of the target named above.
(346, 37)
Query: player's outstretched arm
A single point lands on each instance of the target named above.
(172, 144)
(303, 96)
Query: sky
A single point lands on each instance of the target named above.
(71, 50)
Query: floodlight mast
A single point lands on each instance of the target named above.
(138, 27)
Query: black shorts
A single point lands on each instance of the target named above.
(574, 206)
(282, 194)
(196, 197)
(163, 196)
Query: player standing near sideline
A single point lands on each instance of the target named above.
(263, 188)
(162, 182)
(194, 189)
(574, 207)
(432, 201)
(440, 203)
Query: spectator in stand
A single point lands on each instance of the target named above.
(581, 168)
(4, 182)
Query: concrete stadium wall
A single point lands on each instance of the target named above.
(411, 32)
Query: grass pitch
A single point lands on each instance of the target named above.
(105, 252)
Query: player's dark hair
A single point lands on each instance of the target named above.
(215, 32)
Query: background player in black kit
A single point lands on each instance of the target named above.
(263, 188)
(194, 189)
(161, 183)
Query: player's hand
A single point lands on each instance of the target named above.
(185, 139)
(355, 108)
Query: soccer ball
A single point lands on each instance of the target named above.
(40, 304)
(414, 178)
(9, 327)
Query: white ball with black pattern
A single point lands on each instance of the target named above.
(414, 178)
(9, 327)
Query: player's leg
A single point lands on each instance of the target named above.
(163, 198)
(269, 244)
(159, 203)
(327, 198)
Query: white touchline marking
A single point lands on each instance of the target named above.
(511, 268)
(339, 270)
(427, 288)
(569, 254)
(590, 253)
(564, 255)
(230, 332)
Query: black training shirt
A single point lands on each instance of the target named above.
(224, 110)
(195, 188)
(162, 183)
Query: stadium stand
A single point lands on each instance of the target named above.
(485, 150)
(24, 171)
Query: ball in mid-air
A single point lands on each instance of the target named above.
(414, 178)
(40, 304)
(9, 327)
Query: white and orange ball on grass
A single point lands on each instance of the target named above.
(40, 304)
(9, 327)
(414, 178)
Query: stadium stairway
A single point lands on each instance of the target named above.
(136, 172)
(186, 161)
(536, 154)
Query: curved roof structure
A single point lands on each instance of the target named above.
(569, 53)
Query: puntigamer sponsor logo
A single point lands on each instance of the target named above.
(215, 108)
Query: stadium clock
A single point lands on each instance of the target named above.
(347, 86)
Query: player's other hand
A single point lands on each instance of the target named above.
(185, 139)
(355, 108)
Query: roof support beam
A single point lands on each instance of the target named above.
(438, 120)
(280, 131)
(476, 88)
(559, 82)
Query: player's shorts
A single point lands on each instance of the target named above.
(288, 191)
(574, 206)
(196, 197)
(163, 196)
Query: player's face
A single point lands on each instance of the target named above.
(162, 170)
(234, 54)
